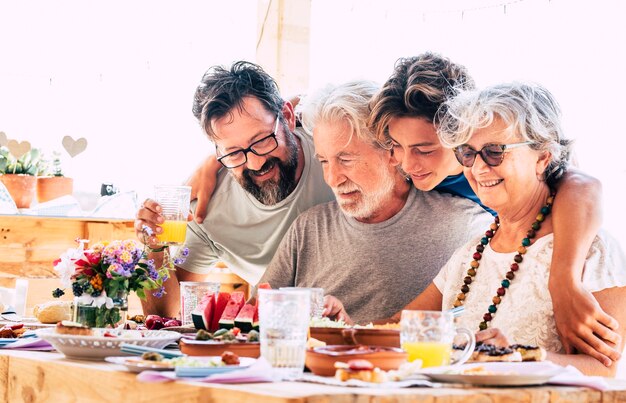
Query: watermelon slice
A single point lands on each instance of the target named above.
(221, 300)
(237, 300)
(245, 318)
(203, 313)
(255, 320)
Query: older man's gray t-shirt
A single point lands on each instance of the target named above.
(375, 269)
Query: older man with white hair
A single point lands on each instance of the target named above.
(382, 240)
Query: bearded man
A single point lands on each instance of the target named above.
(382, 240)
(270, 177)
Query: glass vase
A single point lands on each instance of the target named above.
(101, 317)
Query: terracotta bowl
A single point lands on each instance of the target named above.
(350, 336)
(213, 348)
(321, 360)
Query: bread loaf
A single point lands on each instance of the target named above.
(53, 311)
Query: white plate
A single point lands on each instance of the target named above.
(503, 373)
(244, 362)
(136, 364)
(98, 347)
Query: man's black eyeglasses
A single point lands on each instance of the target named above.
(492, 154)
(260, 147)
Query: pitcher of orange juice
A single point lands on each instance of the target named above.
(428, 336)
(174, 201)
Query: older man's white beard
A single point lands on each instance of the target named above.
(369, 204)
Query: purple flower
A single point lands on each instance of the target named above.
(160, 292)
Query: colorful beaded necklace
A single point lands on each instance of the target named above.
(510, 275)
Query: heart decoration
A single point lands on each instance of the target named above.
(3, 139)
(74, 147)
(18, 149)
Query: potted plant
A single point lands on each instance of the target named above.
(52, 183)
(19, 175)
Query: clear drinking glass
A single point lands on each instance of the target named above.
(317, 299)
(284, 325)
(174, 201)
(428, 336)
(191, 293)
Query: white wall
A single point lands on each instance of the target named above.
(576, 49)
(122, 75)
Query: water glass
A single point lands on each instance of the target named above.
(317, 300)
(174, 201)
(284, 326)
(191, 293)
(429, 335)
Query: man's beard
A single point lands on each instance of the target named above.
(273, 191)
(368, 204)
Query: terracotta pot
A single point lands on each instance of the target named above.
(21, 187)
(52, 187)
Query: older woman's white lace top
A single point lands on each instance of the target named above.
(525, 313)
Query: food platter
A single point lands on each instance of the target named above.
(99, 346)
(136, 365)
(353, 336)
(321, 360)
(212, 348)
(496, 373)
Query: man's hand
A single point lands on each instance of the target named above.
(583, 326)
(492, 336)
(203, 181)
(333, 308)
(148, 223)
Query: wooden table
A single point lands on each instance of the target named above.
(48, 377)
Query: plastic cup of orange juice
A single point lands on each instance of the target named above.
(174, 201)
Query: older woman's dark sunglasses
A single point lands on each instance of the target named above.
(492, 154)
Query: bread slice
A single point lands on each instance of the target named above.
(491, 353)
(73, 328)
(530, 353)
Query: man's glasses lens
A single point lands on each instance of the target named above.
(261, 147)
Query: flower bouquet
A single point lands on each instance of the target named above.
(102, 276)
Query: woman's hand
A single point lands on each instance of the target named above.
(203, 181)
(148, 223)
(333, 308)
(583, 326)
(492, 336)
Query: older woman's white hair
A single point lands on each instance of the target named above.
(529, 110)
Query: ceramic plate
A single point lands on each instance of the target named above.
(496, 373)
(244, 362)
(98, 347)
(136, 364)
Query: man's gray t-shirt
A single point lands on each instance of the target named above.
(245, 233)
(375, 269)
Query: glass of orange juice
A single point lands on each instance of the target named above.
(428, 336)
(174, 201)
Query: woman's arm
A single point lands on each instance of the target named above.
(202, 182)
(576, 218)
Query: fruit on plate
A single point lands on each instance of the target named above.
(224, 310)
(245, 317)
(156, 322)
(234, 305)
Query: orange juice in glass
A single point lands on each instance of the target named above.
(174, 202)
(428, 336)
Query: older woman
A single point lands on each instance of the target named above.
(509, 140)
